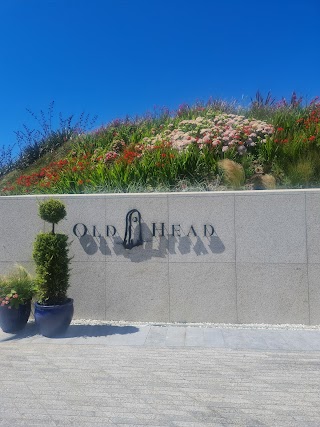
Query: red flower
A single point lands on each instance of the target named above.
(280, 129)
(129, 156)
(312, 138)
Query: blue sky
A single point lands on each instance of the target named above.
(123, 57)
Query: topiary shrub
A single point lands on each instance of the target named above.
(52, 211)
(50, 254)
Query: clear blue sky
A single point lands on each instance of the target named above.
(119, 57)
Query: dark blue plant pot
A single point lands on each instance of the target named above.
(14, 319)
(53, 320)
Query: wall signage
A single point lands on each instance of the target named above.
(134, 228)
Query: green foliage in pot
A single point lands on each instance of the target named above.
(16, 288)
(50, 254)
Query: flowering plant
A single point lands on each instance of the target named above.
(16, 288)
(217, 130)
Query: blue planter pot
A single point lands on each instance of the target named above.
(53, 319)
(14, 319)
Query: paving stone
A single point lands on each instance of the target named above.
(194, 337)
(176, 336)
(213, 337)
(157, 336)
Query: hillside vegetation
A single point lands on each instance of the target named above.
(210, 146)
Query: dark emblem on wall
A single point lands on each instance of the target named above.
(133, 234)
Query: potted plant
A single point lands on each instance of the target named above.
(16, 292)
(53, 309)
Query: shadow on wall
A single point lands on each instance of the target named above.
(152, 246)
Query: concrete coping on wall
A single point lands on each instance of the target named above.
(169, 193)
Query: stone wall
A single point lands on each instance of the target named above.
(224, 257)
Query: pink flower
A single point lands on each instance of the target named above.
(110, 155)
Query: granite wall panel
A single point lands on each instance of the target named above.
(224, 257)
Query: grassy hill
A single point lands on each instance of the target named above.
(209, 146)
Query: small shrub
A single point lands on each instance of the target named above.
(233, 173)
(16, 288)
(268, 181)
(301, 172)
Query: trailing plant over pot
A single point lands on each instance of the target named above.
(16, 292)
(54, 310)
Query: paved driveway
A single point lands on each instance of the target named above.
(128, 375)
